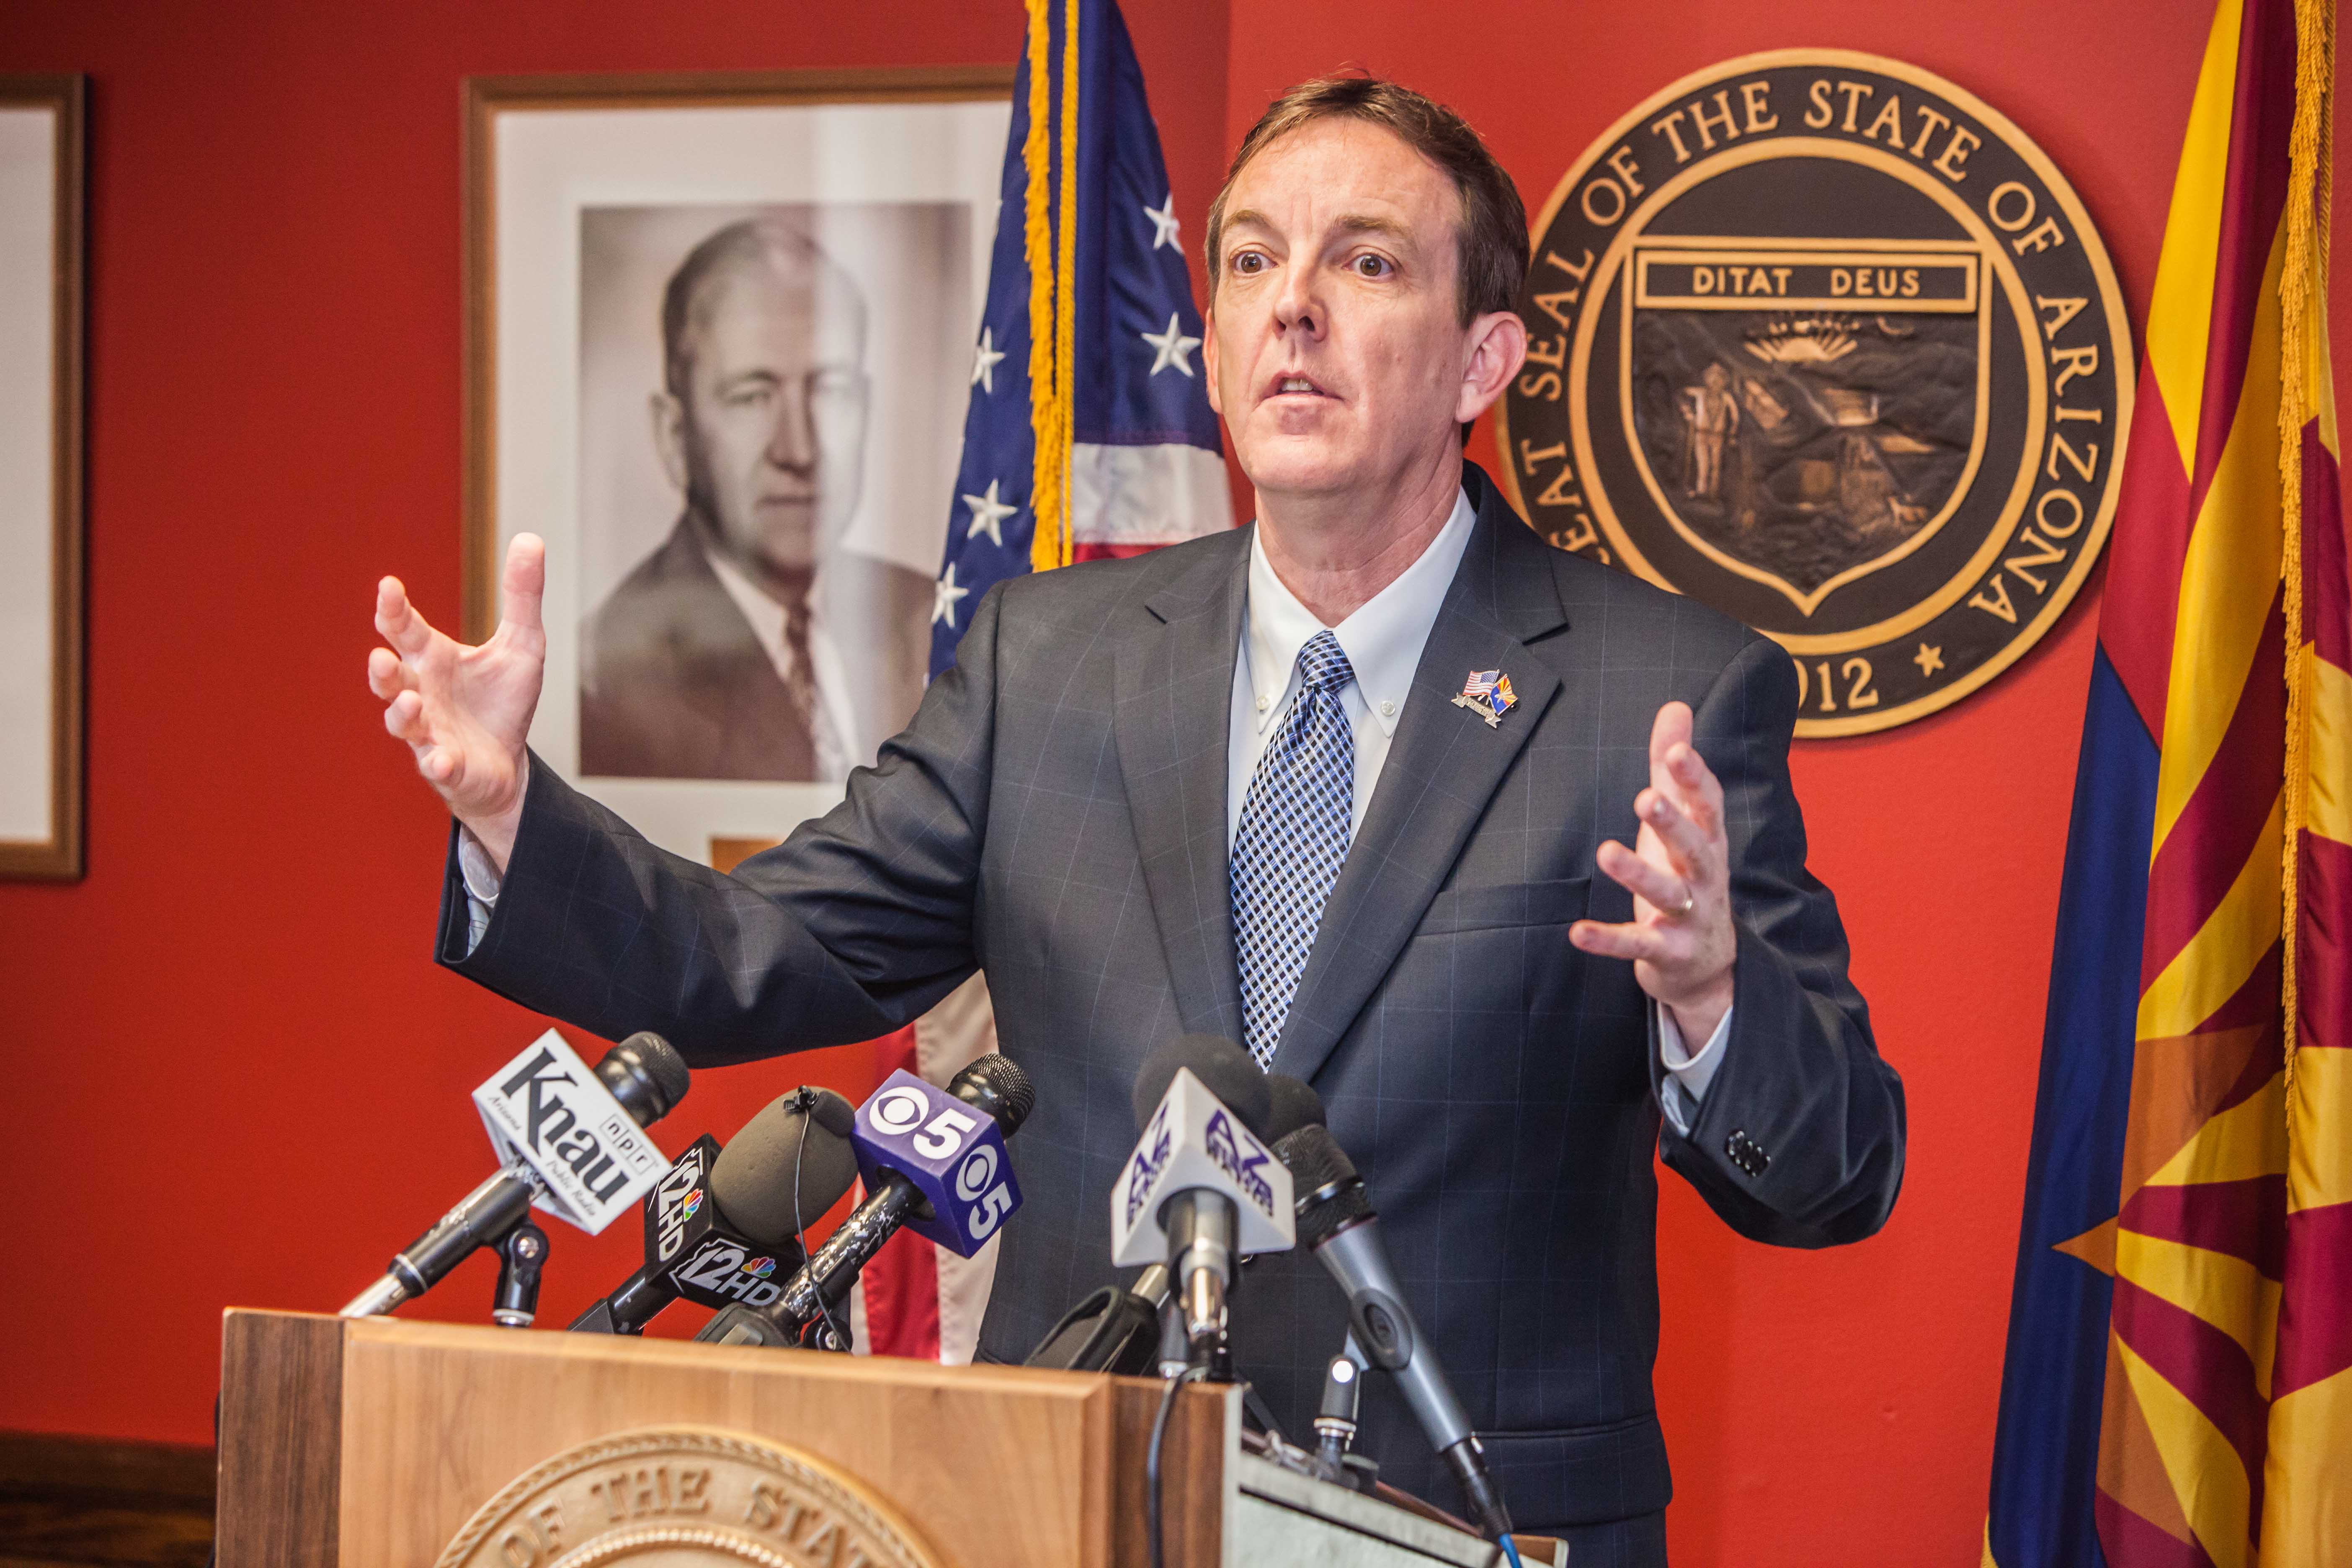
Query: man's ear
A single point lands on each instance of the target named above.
(1209, 359)
(1499, 346)
(670, 436)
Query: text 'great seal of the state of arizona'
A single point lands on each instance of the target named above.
(1821, 340)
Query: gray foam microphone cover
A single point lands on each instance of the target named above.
(751, 1180)
(1224, 1069)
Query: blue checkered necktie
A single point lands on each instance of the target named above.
(1292, 841)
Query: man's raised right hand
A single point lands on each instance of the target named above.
(466, 711)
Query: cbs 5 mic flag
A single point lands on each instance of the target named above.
(1192, 1140)
(1089, 433)
(952, 1153)
(547, 1111)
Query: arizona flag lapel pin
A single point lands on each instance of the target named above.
(1487, 693)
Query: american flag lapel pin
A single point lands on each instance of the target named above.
(1487, 693)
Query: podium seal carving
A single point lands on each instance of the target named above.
(1826, 343)
(686, 1497)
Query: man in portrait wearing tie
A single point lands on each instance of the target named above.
(751, 645)
(1226, 787)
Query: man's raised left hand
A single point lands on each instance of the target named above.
(1680, 938)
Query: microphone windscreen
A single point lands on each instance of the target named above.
(1296, 1105)
(1224, 1069)
(1330, 1195)
(751, 1180)
(646, 1074)
(995, 1084)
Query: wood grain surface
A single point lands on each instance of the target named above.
(71, 1501)
(998, 1466)
(281, 1419)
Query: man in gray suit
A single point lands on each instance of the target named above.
(1228, 786)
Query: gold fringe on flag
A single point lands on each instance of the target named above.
(2301, 290)
(1049, 244)
(1066, 304)
(1037, 253)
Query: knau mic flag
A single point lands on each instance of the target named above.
(2179, 1382)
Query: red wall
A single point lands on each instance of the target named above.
(239, 1077)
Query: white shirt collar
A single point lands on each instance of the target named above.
(1383, 639)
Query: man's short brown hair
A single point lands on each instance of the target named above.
(1492, 244)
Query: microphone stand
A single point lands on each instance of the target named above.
(522, 1253)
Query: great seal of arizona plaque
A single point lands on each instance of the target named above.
(686, 1497)
(1824, 342)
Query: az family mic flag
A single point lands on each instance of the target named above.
(2179, 1384)
(1089, 432)
(1088, 436)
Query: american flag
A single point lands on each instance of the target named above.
(1089, 433)
(1088, 436)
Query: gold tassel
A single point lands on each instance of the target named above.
(1037, 248)
(2301, 288)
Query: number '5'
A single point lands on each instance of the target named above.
(943, 1135)
(990, 1212)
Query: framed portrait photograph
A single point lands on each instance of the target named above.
(41, 477)
(720, 336)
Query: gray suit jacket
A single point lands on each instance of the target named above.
(1056, 814)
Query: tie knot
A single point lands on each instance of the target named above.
(1323, 663)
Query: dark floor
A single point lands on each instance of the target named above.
(87, 1502)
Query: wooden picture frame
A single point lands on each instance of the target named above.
(487, 97)
(42, 164)
(586, 200)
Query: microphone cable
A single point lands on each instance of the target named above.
(1152, 1460)
(807, 1098)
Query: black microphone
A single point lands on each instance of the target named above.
(1337, 1220)
(1117, 1329)
(724, 1222)
(643, 1072)
(995, 1087)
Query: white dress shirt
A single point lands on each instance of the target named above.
(1382, 640)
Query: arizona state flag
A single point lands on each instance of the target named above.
(2178, 1384)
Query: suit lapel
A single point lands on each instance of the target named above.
(1174, 707)
(1443, 767)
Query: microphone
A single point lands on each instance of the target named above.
(930, 1165)
(1200, 1188)
(1115, 1329)
(547, 1112)
(723, 1222)
(1118, 1329)
(1337, 1220)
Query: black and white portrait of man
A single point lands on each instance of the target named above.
(766, 635)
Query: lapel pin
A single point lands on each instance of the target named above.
(1487, 693)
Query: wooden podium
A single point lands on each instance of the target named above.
(382, 1443)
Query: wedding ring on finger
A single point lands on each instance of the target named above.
(1682, 910)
